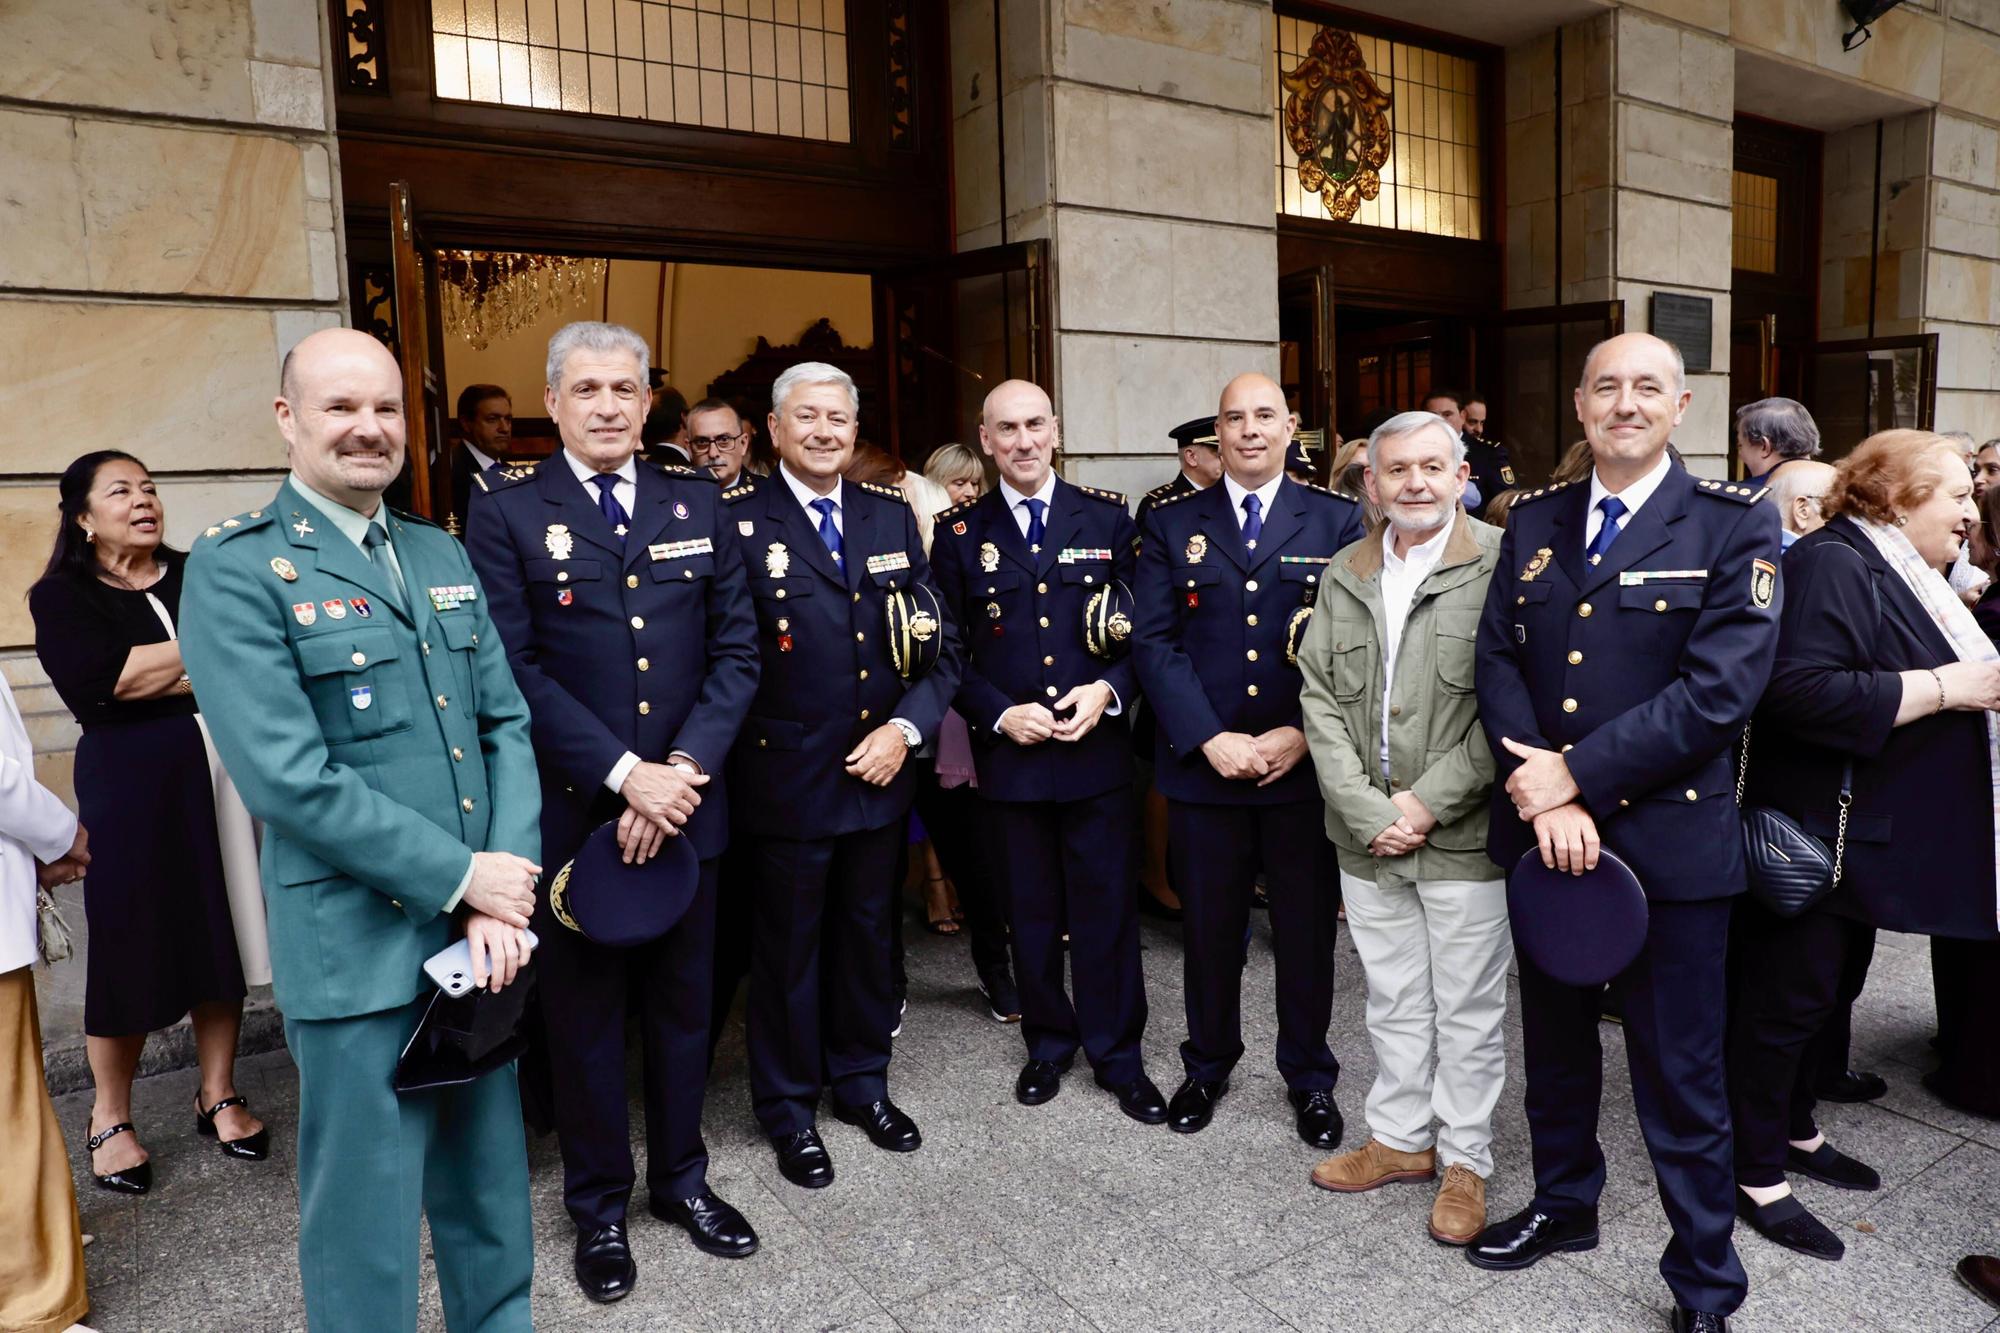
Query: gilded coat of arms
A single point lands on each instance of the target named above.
(1337, 121)
(559, 541)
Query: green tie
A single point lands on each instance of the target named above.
(373, 544)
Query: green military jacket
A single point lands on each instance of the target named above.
(381, 747)
(1436, 747)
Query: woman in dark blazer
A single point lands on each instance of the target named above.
(1879, 666)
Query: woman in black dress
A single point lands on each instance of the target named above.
(161, 939)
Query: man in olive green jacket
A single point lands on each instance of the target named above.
(360, 698)
(1393, 727)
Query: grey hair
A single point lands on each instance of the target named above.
(1409, 423)
(1782, 423)
(1963, 439)
(1680, 365)
(589, 335)
(955, 462)
(812, 372)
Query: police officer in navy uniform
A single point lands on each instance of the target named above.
(1020, 569)
(822, 789)
(1627, 636)
(620, 596)
(1227, 578)
(1492, 469)
(1201, 463)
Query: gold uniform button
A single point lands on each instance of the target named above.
(359, 659)
(864, 673)
(1253, 691)
(1048, 661)
(1050, 691)
(1574, 657)
(1569, 705)
(1251, 655)
(1088, 578)
(859, 637)
(857, 596)
(762, 743)
(1250, 585)
(864, 715)
(475, 641)
(457, 755)
(442, 701)
(466, 805)
(781, 594)
(1250, 621)
(427, 650)
(1692, 796)
(638, 622)
(1520, 601)
(644, 708)
(1045, 622)
(645, 665)
(1583, 609)
(1567, 748)
(562, 576)
(1660, 604)
(1622, 803)
(631, 580)
(1041, 587)
(396, 903)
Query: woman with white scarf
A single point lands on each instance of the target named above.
(1880, 667)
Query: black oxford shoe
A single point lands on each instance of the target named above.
(1320, 1125)
(1698, 1321)
(1850, 1086)
(604, 1267)
(1039, 1082)
(1526, 1237)
(1829, 1166)
(802, 1159)
(713, 1226)
(886, 1126)
(1193, 1105)
(1139, 1099)
(1789, 1223)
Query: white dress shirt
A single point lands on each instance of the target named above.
(1634, 496)
(1401, 577)
(34, 826)
(1265, 494)
(480, 460)
(1017, 503)
(626, 489)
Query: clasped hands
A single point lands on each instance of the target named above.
(1265, 757)
(69, 867)
(501, 896)
(1546, 796)
(1033, 723)
(659, 799)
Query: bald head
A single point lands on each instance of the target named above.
(1632, 396)
(1018, 430)
(340, 409)
(1253, 428)
(1797, 489)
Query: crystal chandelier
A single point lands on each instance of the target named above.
(492, 296)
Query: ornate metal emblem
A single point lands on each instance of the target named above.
(989, 557)
(1197, 547)
(922, 626)
(1538, 563)
(1337, 121)
(559, 541)
(777, 560)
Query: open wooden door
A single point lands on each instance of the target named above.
(419, 328)
(948, 332)
(1305, 349)
(1537, 362)
(1858, 386)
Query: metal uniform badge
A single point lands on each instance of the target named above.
(777, 560)
(564, 596)
(361, 607)
(958, 528)
(1507, 475)
(784, 634)
(1763, 584)
(284, 569)
(362, 696)
(559, 541)
(305, 612)
(1536, 564)
(1197, 547)
(335, 609)
(989, 557)
(745, 526)
(680, 509)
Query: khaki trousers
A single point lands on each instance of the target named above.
(41, 1238)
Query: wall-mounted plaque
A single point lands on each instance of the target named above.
(1688, 322)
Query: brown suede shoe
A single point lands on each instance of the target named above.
(1459, 1214)
(1371, 1165)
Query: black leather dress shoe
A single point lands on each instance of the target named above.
(604, 1267)
(250, 1148)
(1039, 1081)
(887, 1128)
(1139, 1099)
(1787, 1222)
(1981, 1275)
(1698, 1321)
(1829, 1166)
(133, 1179)
(1320, 1123)
(803, 1160)
(1850, 1086)
(713, 1226)
(1193, 1105)
(1526, 1237)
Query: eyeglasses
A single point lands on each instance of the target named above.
(716, 441)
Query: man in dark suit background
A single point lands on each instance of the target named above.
(1227, 579)
(1020, 569)
(621, 600)
(1200, 459)
(1628, 633)
(486, 432)
(820, 763)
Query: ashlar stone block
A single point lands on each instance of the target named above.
(1121, 395)
(1964, 150)
(188, 58)
(1961, 288)
(41, 205)
(1712, 15)
(1965, 220)
(1143, 155)
(1649, 59)
(1212, 52)
(286, 31)
(1675, 155)
(1971, 80)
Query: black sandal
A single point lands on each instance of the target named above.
(252, 1148)
(133, 1179)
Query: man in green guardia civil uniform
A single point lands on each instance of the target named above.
(362, 702)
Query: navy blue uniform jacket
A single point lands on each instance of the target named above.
(1213, 625)
(648, 647)
(828, 677)
(1021, 616)
(1644, 668)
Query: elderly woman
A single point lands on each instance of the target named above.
(959, 470)
(162, 939)
(1878, 703)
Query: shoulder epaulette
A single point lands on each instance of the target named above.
(230, 527)
(1098, 492)
(945, 515)
(1526, 497)
(683, 470)
(1741, 492)
(1174, 499)
(739, 491)
(505, 475)
(417, 519)
(1328, 490)
(886, 492)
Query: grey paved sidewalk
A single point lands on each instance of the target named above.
(1069, 1216)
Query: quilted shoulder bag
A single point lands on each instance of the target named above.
(1790, 869)
(52, 931)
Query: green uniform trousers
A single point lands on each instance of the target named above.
(371, 1162)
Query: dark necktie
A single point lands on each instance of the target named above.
(1253, 520)
(829, 532)
(1035, 508)
(1614, 509)
(607, 502)
(372, 545)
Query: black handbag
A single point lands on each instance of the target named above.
(1790, 869)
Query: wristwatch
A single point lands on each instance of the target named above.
(911, 736)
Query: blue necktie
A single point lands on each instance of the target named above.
(1253, 520)
(828, 531)
(1035, 508)
(1614, 509)
(614, 513)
